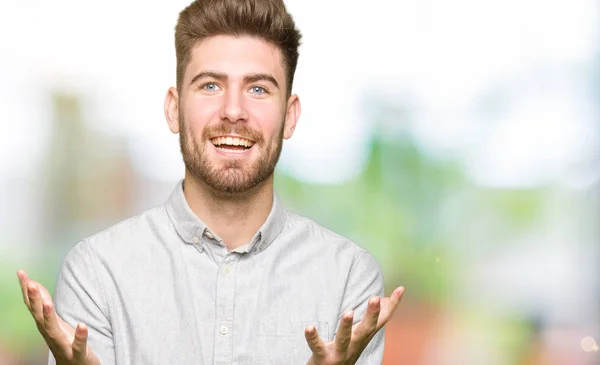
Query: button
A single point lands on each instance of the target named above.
(226, 269)
(196, 240)
(224, 330)
(208, 234)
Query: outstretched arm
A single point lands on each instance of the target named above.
(358, 342)
(76, 322)
(68, 345)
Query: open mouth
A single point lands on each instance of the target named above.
(232, 144)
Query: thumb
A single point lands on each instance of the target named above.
(79, 345)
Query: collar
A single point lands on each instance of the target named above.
(191, 229)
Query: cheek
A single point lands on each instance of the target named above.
(198, 114)
(269, 120)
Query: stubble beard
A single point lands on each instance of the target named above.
(235, 176)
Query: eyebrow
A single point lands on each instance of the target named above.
(247, 78)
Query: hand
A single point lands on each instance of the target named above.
(69, 346)
(351, 340)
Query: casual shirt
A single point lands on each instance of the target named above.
(162, 288)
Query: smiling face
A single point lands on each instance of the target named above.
(232, 112)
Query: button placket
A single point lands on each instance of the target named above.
(223, 347)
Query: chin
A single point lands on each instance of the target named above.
(237, 182)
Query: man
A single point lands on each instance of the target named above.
(221, 273)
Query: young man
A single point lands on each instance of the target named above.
(221, 273)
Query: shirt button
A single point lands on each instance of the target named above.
(226, 269)
(196, 240)
(224, 330)
(209, 235)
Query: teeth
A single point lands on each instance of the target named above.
(232, 141)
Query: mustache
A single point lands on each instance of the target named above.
(238, 129)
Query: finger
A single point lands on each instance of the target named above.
(55, 337)
(23, 280)
(51, 321)
(368, 324)
(35, 301)
(80, 342)
(344, 333)
(44, 293)
(389, 306)
(314, 341)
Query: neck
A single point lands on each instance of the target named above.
(235, 218)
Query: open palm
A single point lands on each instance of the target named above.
(351, 340)
(67, 344)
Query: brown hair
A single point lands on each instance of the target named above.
(265, 19)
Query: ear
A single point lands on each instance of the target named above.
(291, 116)
(172, 109)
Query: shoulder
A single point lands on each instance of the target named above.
(324, 239)
(340, 257)
(128, 234)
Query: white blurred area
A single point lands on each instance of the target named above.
(445, 56)
(508, 88)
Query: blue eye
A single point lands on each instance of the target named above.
(258, 90)
(211, 86)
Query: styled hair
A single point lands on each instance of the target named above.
(264, 19)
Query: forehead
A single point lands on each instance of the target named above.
(236, 56)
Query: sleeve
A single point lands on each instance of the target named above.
(79, 297)
(365, 281)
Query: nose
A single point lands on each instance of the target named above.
(233, 109)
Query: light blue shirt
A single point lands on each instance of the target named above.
(161, 288)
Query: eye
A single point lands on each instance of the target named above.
(210, 87)
(258, 90)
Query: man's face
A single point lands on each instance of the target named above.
(233, 112)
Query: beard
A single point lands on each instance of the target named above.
(235, 176)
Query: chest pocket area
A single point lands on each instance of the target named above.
(282, 342)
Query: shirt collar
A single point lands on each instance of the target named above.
(191, 228)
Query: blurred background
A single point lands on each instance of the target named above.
(458, 141)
